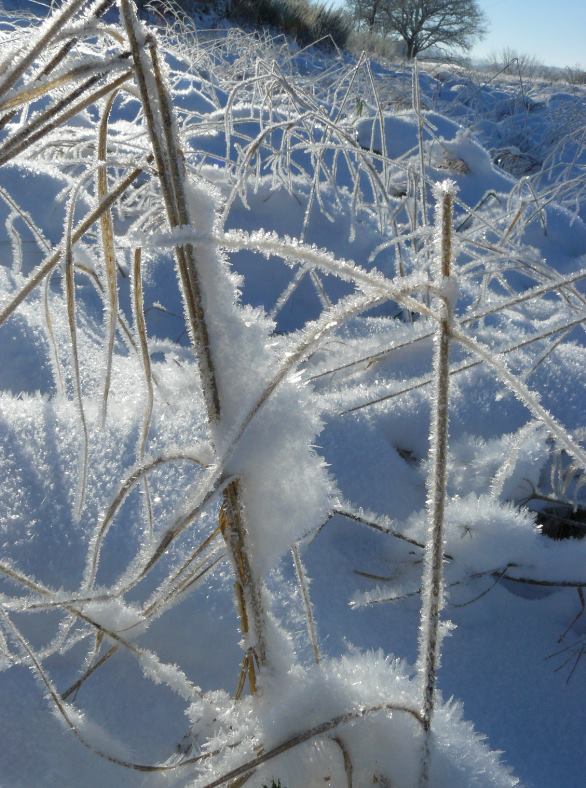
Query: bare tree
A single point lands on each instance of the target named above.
(426, 23)
(366, 13)
(518, 64)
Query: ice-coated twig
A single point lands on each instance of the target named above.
(52, 260)
(528, 398)
(12, 75)
(308, 607)
(432, 596)
(313, 733)
(141, 331)
(108, 248)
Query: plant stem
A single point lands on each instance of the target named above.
(170, 165)
(430, 645)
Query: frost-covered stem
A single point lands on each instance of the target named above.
(57, 58)
(35, 130)
(248, 591)
(417, 108)
(108, 249)
(525, 395)
(362, 712)
(170, 165)
(140, 323)
(52, 260)
(432, 601)
(304, 588)
(12, 75)
(168, 159)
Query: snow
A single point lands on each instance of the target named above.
(315, 257)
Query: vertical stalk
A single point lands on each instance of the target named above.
(304, 588)
(141, 335)
(417, 108)
(169, 161)
(108, 248)
(430, 641)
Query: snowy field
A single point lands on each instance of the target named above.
(241, 286)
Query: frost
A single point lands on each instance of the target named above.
(249, 551)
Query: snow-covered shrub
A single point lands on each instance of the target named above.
(205, 378)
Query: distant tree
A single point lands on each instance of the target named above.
(423, 23)
(366, 13)
(517, 64)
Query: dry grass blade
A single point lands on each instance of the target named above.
(43, 246)
(182, 686)
(51, 334)
(369, 282)
(380, 524)
(125, 328)
(69, 279)
(348, 768)
(304, 588)
(312, 733)
(108, 249)
(68, 715)
(187, 584)
(36, 130)
(51, 262)
(137, 475)
(525, 395)
(33, 92)
(466, 365)
(372, 358)
(60, 55)
(216, 484)
(162, 599)
(76, 686)
(139, 322)
(12, 75)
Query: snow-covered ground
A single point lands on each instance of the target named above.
(311, 203)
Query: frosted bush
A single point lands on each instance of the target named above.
(168, 537)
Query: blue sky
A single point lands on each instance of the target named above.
(553, 31)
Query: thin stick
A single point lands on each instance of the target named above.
(304, 588)
(107, 235)
(140, 323)
(50, 262)
(348, 768)
(35, 130)
(312, 733)
(39, 45)
(58, 57)
(170, 165)
(433, 576)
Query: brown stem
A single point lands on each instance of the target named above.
(170, 165)
(50, 262)
(433, 578)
